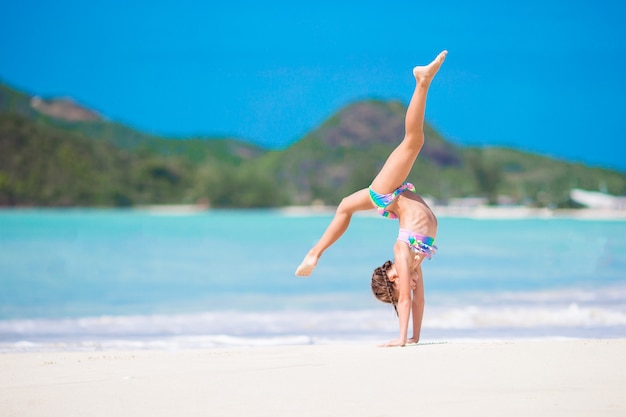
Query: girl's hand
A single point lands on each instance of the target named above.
(394, 343)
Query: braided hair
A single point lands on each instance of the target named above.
(382, 288)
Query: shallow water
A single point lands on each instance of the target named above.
(97, 279)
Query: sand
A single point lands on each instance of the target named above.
(520, 378)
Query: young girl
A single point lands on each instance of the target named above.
(399, 283)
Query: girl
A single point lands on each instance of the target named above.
(399, 283)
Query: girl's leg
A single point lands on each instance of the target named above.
(399, 163)
(358, 201)
(393, 173)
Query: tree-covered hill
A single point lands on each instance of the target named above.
(62, 113)
(54, 152)
(45, 166)
(347, 150)
(42, 165)
(40, 153)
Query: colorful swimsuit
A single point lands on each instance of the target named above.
(417, 242)
(382, 201)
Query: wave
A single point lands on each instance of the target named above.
(572, 315)
(235, 328)
(160, 343)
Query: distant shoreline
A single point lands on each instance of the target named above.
(478, 212)
(483, 212)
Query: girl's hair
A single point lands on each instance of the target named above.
(382, 288)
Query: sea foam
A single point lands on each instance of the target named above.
(235, 328)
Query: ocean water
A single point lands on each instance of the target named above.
(130, 279)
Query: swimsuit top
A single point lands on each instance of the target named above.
(382, 201)
(418, 243)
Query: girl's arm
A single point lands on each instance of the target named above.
(417, 307)
(403, 260)
(358, 201)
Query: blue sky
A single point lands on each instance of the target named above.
(541, 76)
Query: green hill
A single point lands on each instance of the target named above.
(73, 118)
(346, 151)
(54, 152)
(46, 166)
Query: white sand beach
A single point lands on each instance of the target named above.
(517, 378)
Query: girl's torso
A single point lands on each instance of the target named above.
(409, 207)
(414, 214)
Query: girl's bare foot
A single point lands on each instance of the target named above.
(307, 266)
(427, 72)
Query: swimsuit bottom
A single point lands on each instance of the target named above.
(418, 243)
(381, 201)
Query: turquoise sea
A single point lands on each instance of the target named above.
(131, 279)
